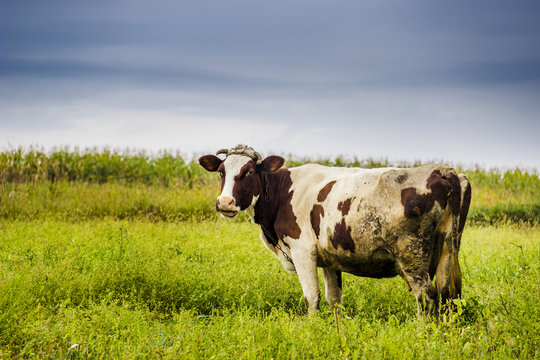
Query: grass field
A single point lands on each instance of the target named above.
(127, 267)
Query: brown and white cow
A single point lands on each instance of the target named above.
(368, 222)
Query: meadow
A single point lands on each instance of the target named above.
(109, 254)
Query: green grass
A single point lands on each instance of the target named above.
(124, 289)
(82, 201)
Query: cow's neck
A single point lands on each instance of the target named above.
(274, 192)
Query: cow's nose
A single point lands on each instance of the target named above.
(225, 203)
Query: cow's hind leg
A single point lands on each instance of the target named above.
(448, 271)
(332, 286)
(414, 263)
(448, 274)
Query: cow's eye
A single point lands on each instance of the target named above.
(250, 172)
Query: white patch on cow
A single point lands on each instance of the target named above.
(233, 164)
(250, 211)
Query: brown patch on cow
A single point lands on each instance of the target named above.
(325, 191)
(316, 213)
(440, 187)
(465, 207)
(455, 200)
(273, 210)
(245, 187)
(286, 224)
(342, 236)
(414, 204)
(443, 189)
(345, 206)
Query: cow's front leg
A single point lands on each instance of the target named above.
(305, 262)
(332, 286)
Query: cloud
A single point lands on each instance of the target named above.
(450, 80)
(445, 125)
(308, 42)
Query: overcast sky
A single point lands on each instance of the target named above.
(454, 81)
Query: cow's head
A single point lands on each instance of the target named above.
(242, 177)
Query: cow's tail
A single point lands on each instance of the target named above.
(448, 270)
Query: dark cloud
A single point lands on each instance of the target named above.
(366, 41)
(400, 72)
(179, 75)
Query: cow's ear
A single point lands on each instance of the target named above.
(272, 163)
(210, 162)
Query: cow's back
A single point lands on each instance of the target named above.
(356, 216)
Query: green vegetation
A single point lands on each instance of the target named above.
(92, 184)
(97, 166)
(502, 197)
(104, 255)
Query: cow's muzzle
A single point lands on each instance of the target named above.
(227, 206)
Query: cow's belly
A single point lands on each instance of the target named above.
(356, 243)
(375, 263)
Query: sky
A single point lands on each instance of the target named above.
(433, 81)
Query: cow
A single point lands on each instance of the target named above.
(376, 223)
